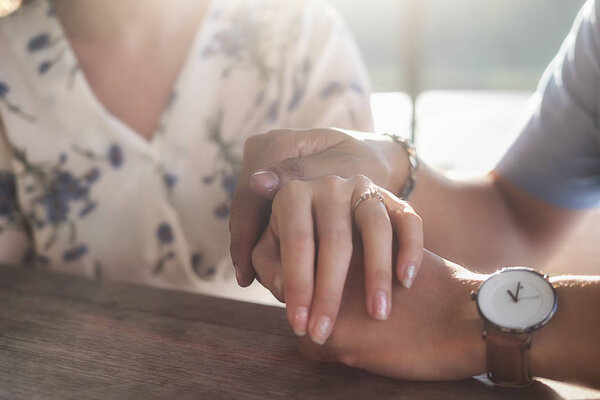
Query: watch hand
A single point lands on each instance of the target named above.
(518, 288)
(512, 296)
(529, 297)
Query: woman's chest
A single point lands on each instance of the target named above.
(133, 87)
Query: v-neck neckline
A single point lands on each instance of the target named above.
(133, 136)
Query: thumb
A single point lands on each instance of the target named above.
(267, 181)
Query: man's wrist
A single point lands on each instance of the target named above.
(462, 331)
(397, 162)
(471, 327)
(413, 165)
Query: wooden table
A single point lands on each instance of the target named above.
(64, 337)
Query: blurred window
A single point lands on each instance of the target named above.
(461, 71)
(457, 44)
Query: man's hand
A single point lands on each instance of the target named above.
(433, 332)
(273, 159)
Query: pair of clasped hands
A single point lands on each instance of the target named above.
(339, 263)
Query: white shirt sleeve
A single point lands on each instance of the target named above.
(557, 156)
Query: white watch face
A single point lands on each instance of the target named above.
(517, 299)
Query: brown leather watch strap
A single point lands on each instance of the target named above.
(506, 354)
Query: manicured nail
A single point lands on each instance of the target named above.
(299, 321)
(322, 330)
(380, 305)
(409, 276)
(267, 179)
(278, 284)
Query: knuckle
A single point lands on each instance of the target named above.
(290, 192)
(274, 134)
(413, 217)
(251, 144)
(380, 276)
(347, 357)
(332, 183)
(294, 167)
(362, 180)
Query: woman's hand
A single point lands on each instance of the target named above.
(273, 159)
(304, 253)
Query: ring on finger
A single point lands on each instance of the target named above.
(372, 193)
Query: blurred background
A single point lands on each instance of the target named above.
(457, 76)
(465, 67)
(459, 44)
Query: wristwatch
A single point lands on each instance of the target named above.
(513, 303)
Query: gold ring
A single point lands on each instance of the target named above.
(373, 193)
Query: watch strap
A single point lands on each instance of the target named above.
(507, 358)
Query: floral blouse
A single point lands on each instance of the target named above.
(94, 197)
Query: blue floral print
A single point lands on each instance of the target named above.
(230, 166)
(39, 42)
(34, 259)
(54, 194)
(246, 43)
(165, 237)
(162, 125)
(45, 67)
(336, 88)
(43, 41)
(300, 82)
(203, 272)
(3, 90)
(165, 234)
(75, 253)
(170, 180)
(115, 156)
(9, 207)
(13, 108)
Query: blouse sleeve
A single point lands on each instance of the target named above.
(557, 156)
(329, 85)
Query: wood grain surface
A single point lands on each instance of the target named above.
(65, 337)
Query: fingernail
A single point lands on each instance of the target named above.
(267, 179)
(409, 276)
(380, 305)
(278, 283)
(322, 330)
(299, 321)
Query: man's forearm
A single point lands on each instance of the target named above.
(487, 222)
(568, 349)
